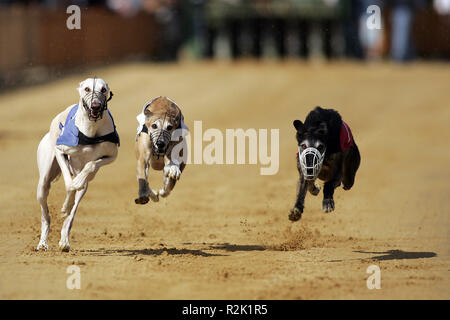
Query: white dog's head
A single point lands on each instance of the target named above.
(94, 97)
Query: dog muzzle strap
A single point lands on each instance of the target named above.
(103, 101)
(310, 162)
(157, 136)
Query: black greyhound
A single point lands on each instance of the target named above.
(324, 137)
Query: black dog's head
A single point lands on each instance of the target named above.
(312, 146)
(311, 137)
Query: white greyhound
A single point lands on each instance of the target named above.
(81, 139)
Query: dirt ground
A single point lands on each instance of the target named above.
(224, 232)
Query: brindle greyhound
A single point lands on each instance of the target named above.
(160, 144)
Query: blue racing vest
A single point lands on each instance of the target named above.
(71, 136)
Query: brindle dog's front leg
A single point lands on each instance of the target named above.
(172, 173)
(173, 168)
(143, 157)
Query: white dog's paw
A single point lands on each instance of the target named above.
(64, 245)
(42, 245)
(65, 210)
(64, 213)
(173, 172)
(78, 182)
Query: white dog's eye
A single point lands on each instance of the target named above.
(154, 126)
(87, 89)
(103, 90)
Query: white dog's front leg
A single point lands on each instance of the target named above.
(64, 165)
(89, 171)
(80, 179)
(64, 244)
(68, 202)
(45, 228)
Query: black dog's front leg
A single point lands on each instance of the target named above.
(296, 212)
(334, 174)
(328, 192)
(328, 202)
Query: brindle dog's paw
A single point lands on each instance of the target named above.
(154, 196)
(172, 171)
(163, 193)
(327, 205)
(142, 200)
(296, 214)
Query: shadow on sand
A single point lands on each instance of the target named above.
(236, 247)
(398, 255)
(149, 252)
(174, 251)
(392, 255)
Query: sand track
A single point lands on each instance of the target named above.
(224, 232)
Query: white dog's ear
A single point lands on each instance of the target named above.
(79, 89)
(108, 91)
(110, 95)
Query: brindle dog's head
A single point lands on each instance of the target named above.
(162, 118)
(311, 143)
